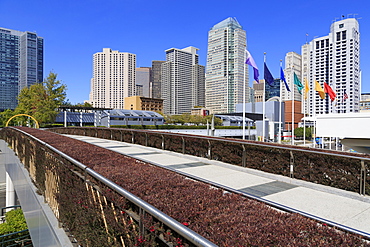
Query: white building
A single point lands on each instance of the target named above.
(334, 59)
(113, 78)
(226, 70)
(182, 81)
(293, 64)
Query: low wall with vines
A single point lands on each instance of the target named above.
(336, 169)
(92, 213)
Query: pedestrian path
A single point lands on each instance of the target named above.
(340, 207)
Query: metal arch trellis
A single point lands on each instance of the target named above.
(37, 124)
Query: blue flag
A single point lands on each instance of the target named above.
(282, 77)
(268, 77)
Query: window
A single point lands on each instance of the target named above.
(338, 36)
(341, 25)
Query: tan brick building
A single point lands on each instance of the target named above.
(143, 104)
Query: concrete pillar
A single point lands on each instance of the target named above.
(81, 119)
(10, 193)
(65, 118)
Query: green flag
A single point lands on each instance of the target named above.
(298, 83)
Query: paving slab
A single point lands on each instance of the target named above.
(325, 205)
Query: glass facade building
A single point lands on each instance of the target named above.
(225, 71)
(21, 64)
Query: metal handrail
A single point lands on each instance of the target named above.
(185, 232)
(316, 151)
(271, 203)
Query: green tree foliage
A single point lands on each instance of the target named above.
(187, 118)
(5, 115)
(86, 104)
(14, 222)
(41, 100)
(298, 132)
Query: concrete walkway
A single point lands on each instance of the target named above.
(338, 206)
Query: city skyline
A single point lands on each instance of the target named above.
(147, 29)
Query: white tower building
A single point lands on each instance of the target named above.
(225, 66)
(334, 59)
(182, 81)
(292, 65)
(113, 78)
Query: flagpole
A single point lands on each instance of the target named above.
(292, 140)
(281, 90)
(304, 118)
(244, 95)
(314, 117)
(263, 103)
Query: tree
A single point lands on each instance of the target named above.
(5, 115)
(298, 132)
(42, 100)
(85, 104)
(193, 119)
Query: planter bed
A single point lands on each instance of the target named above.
(224, 218)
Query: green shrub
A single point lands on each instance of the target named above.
(14, 222)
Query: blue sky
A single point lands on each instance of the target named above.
(73, 30)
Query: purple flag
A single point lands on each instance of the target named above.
(250, 61)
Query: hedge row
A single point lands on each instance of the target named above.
(331, 168)
(103, 218)
(93, 214)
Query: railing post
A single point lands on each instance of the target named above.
(162, 142)
(244, 158)
(209, 150)
(291, 164)
(363, 178)
(133, 137)
(183, 145)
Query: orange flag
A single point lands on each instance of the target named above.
(319, 89)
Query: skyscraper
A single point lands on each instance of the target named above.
(21, 64)
(182, 80)
(225, 70)
(293, 64)
(335, 60)
(156, 79)
(143, 75)
(113, 78)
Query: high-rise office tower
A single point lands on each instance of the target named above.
(182, 79)
(156, 79)
(335, 60)
(143, 75)
(226, 71)
(113, 78)
(21, 64)
(198, 86)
